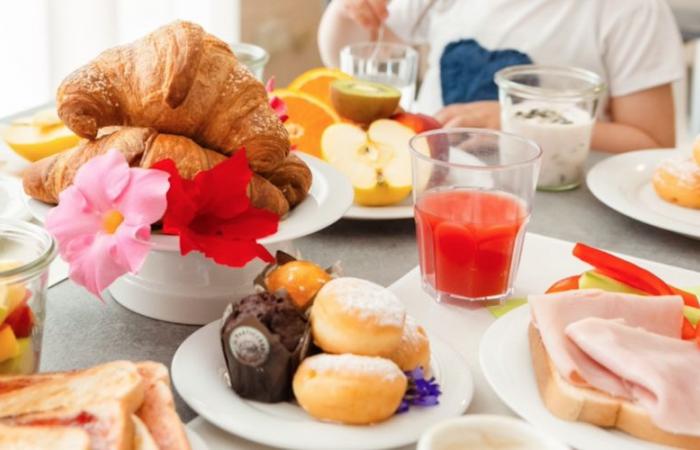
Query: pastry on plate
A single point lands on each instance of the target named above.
(142, 147)
(678, 181)
(264, 337)
(350, 389)
(179, 80)
(300, 280)
(350, 315)
(414, 349)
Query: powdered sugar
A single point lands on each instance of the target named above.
(685, 169)
(354, 364)
(412, 333)
(369, 300)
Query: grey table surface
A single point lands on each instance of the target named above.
(80, 331)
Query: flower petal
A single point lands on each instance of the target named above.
(224, 188)
(102, 179)
(253, 224)
(232, 253)
(143, 200)
(98, 265)
(73, 219)
(133, 245)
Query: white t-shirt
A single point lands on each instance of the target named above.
(632, 44)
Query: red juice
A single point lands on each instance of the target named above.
(467, 240)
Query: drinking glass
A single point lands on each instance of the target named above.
(386, 63)
(557, 107)
(473, 192)
(26, 251)
(253, 57)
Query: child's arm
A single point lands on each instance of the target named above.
(644, 119)
(349, 21)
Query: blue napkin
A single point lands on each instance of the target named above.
(467, 70)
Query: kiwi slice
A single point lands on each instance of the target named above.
(364, 101)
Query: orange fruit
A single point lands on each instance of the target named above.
(308, 118)
(317, 82)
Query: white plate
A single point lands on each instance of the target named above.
(505, 360)
(11, 199)
(197, 371)
(403, 210)
(623, 183)
(329, 198)
(196, 442)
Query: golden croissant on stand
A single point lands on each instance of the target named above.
(179, 80)
(142, 147)
(293, 178)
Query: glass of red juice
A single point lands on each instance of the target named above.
(473, 192)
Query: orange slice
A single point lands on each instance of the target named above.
(308, 118)
(317, 82)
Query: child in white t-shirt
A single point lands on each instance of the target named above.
(633, 44)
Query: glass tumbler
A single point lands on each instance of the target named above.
(253, 57)
(473, 192)
(381, 62)
(26, 251)
(557, 107)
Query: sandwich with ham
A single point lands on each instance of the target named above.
(623, 352)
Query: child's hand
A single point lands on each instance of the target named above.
(369, 14)
(484, 114)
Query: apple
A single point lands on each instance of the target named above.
(377, 161)
(417, 122)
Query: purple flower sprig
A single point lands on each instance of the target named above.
(420, 391)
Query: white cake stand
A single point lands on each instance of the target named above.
(193, 289)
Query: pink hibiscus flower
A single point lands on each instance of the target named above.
(103, 221)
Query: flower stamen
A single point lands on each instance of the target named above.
(111, 221)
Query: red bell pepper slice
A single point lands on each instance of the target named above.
(621, 270)
(565, 284)
(688, 331)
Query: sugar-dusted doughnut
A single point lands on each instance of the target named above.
(678, 181)
(414, 349)
(350, 389)
(350, 315)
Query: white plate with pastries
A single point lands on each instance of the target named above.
(505, 359)
(329, 197)
(343, 400)
(624, 183)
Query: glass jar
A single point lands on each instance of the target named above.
(253, 57)
(556, 107)
(26, 251)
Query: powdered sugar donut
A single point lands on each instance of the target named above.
(414, 349)
(350, 389)
(678, 181)
(351, 315)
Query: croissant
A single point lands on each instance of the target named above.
(293, 178)
(141, 147)
(178, 80)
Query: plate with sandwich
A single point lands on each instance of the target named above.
(605, 359)
(118, 405)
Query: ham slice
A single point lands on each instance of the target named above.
(661, 371)
(552, 313)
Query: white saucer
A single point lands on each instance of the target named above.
(198, 375)
(11, 199)
(623, 182)
(504, 355)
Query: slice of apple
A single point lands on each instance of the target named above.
(377, 162)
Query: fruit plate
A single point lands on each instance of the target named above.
(623, 183)
(403, 210)
(198, 375)
(505, 359)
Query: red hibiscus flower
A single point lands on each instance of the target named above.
(213, 214)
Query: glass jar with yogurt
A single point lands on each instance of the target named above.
(556, 107)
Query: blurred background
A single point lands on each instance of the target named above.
(42, 40)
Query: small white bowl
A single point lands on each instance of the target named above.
(486, 432)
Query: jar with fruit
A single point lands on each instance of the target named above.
(26, 251)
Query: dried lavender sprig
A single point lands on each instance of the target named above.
(420, 391)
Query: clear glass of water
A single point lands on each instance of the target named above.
(386, 63)
(253, 57)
